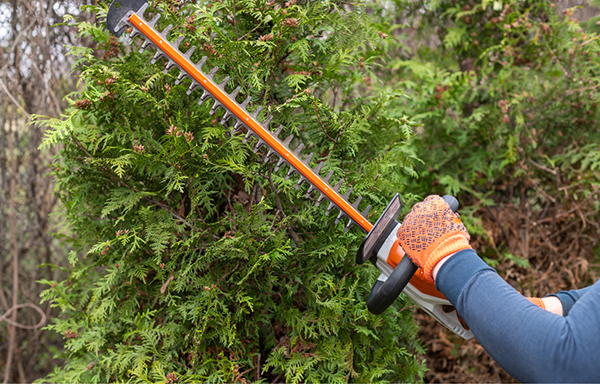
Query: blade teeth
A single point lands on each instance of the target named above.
(290, 173)
(235, 92)
(224, 82)
(122, 24)
(156, 56)
(298, 149)
(181, 76)
(320, 199)
(142, 10)
(177, 42)
(279, 164)
(154, 20)
(339, 217)
(288, 140)
(248, 136)
(205, 95)
(212, 73)
(200, 64)
(318, 168)
(350, 224)
(226, 117)
(236, 126)
(326, 178)
(255, 113)
(168, 67)
(129, 39)
(310, 189)
(357, 202)
(278, 131)
(214, 108)
(166, 31)
(258, 145)
(330, 208)
(192, 86)
(308, 159)
(365, 213)
(338, 185)
(134, 32)
(145, 45)
(267, 122)
(299, 183)
(246, 102)
(347, 194)
(269, 155)
(190, 52)
(203, 98)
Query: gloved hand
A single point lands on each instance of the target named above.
(430, 232)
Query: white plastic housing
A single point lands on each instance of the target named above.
(430, 304)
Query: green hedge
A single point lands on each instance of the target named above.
(199, 262)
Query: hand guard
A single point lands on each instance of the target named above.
(430, 232)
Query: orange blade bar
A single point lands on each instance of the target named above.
(248, 120)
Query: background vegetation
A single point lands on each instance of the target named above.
(506, 94)
(194, 260)
(34, 77)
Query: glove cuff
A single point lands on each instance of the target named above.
(537, 301)
(447, 247)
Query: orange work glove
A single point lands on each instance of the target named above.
(430, 232)
(537, 301)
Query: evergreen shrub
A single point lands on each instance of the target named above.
(506, 97)
(195, 260)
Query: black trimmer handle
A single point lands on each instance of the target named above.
(383, 294)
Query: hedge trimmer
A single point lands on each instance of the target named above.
(380, 246)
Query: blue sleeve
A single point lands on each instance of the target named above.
(531, 344)
(568, 298)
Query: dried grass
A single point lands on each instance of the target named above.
(556, 234)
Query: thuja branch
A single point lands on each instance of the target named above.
(293, 234)
(123, 183)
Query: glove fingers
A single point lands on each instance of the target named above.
(430, 232)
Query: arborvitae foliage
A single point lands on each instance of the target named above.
(199, 262)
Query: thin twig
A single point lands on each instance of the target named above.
(590, 40)
(15, 283)
(257, 374)
(4, 316)
(234, 19)
(567, 75)
(544, 168)
(12, 98)
(280, 208)
(321, 123)
(255, 28)
(572, 91)
(540, 188)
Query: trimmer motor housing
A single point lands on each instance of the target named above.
(399, 274)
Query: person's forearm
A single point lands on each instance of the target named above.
(529, 343)
(552, 303)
